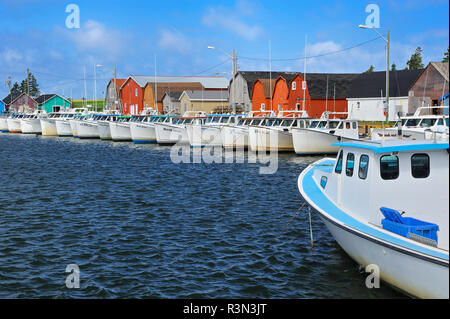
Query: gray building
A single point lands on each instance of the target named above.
(171, 102)
(113, 99)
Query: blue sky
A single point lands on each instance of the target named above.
(128, 34)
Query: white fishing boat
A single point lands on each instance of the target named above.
(104, 130)
(4, 122)
(399, 220)
(63, 127)
(87, 127)
(173, 130)
(276, 133)
(237, 136)
(320, 135)
(209, 133)
(48, 124)
(13, 122)
(120, 129)
(421, 125)
(31, 123)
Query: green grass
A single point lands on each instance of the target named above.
(80, 103)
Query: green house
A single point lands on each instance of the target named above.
(51, 103)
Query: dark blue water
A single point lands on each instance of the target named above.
(140, 226)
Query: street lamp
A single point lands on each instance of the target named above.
(95, 83)
(234, 71)
(387, 40)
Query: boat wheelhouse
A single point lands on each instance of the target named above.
(321, 134)
(399, 220)
(48, 124)
(425, 122)
(208, 134)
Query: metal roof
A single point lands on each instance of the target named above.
(207, 82)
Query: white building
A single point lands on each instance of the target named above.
(367, 95)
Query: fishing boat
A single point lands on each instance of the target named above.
(236, 137)
(209, 132)
(421, 125)
(48, 124)
(104, 130)
(31, 123)
(276, 133)
(399, 220)
(173, 130)
(4, 122)
(13, 121)
(320, 135)
(120, 129)
(87, 127)
(63, 127)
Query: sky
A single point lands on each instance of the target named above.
(266, 35)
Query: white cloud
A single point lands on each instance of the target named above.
(231, 21)
(173, 41)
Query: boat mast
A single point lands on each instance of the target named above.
(304, 76)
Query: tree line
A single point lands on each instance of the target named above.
(415, 62)
(31, 87)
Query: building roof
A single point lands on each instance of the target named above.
(207, 82)
(339, 84)
(266, 86)
(174, 96)
(46, 97)
(442, 68)
(252, 76)
(162, 88)
(12, 98)
(206, 95)
(120, 82)
(373, 84)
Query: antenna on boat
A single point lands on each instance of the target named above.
(85, 90)
(326, 97)
(304, 75)
(270, 74)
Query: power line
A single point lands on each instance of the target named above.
(213, 67)
(313, 56)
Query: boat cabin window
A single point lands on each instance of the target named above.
(301, 124)
(333, 124)
(354, 125)
(314, 124)
(338, 168)
(420, 165)
(188, 121)
(412, 122)
(363, 166)
(427, 122)
(241, 122)
(349, 166)
(322, 124)
(441, 122)
(224, 120)
(389, 167)
(269, 122)
(347, 125)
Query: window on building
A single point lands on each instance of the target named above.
(363, 166)
(279, 107)
(420, 165)
(349, 166)
(294, 86)
(263, 107)
(111, 93)
(358, 105)
(136, 92)
(389, 167)
(297, 107)
(338, 168)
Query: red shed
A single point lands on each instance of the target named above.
(261, 97)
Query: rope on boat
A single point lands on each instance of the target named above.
(303, 205)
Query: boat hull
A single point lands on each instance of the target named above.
(235, 137)
(120, 132)
(4, 125)
(265, 140)
(204, 136)
(63, 128)
(314, 142)
(171, 134)
(49, 127)
(87, 130)
(14, 126)
(143, 133)
(104, 131)
(73, 127)
(31, 126)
